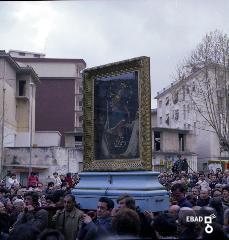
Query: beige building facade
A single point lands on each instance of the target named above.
(176, 110)
(17, 85)
(168, 143)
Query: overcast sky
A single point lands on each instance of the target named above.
(105, 31)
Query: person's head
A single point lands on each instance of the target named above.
(165, 225)
(213, 178)
(206, 212)
(184, 214)
(19, 205)
(62, 177)
(226, 217)
(104, 207)
(33, 174)
(3, 192)
(217, 233)
(40, 185)
(24, 232)
(174, 210)
(68, 175)
(126, 201)
(50, 185)
(2, 208)
(31, 198)
(216, 193)
(225, 192)
(13, 176)
(55, 174)
(64, 186)
(226, 173)
(192, 199)
(201, 176)
(69, 202)
(204, 194)
(116, 99)
(49, 200)
(218, 170)
(195, 192)
(178, 191)
(216, 203)
(51, 234)
(58, 198)
(218, 186)
(126, 223)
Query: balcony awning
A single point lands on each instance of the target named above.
(218, 161)
(26, 166)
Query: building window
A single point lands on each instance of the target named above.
(37, 55)
(184, 110)
(160, 103)
(187, 90)
(183, 90)
(21, 88)
(80, 121)
(21, 53)
(176, 115)
(188, 109)
(160, 120)
(167, 119)
(80, 90)
(193, 87)
(167, 101)
(181, 142)
(157, 141)
(175, 97)
(78, 140)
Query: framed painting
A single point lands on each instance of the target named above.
(117, 111)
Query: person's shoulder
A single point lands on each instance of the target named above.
(42, 211)
(78, 211)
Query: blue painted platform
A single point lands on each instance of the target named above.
(148, 193)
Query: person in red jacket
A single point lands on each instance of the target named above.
(33, 180)
(68, 179)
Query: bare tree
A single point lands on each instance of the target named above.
(211, 96)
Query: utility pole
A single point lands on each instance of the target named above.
(3, 120)
(2, 128)
(31, 128)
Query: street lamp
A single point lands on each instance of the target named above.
(31, 127)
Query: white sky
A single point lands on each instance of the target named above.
(107, 31)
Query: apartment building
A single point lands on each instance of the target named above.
(168, 143)
(17, 105)
(59, 96)
(177, 109)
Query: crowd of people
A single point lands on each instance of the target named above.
(49, 211)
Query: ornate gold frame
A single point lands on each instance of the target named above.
(142, 65)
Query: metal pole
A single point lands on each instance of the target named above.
(3, 128)
(31, 129)
(68, 160)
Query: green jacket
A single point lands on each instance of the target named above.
(69, 223)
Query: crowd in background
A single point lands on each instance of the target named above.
(50, 211)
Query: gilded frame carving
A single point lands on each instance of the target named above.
(144, 161)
